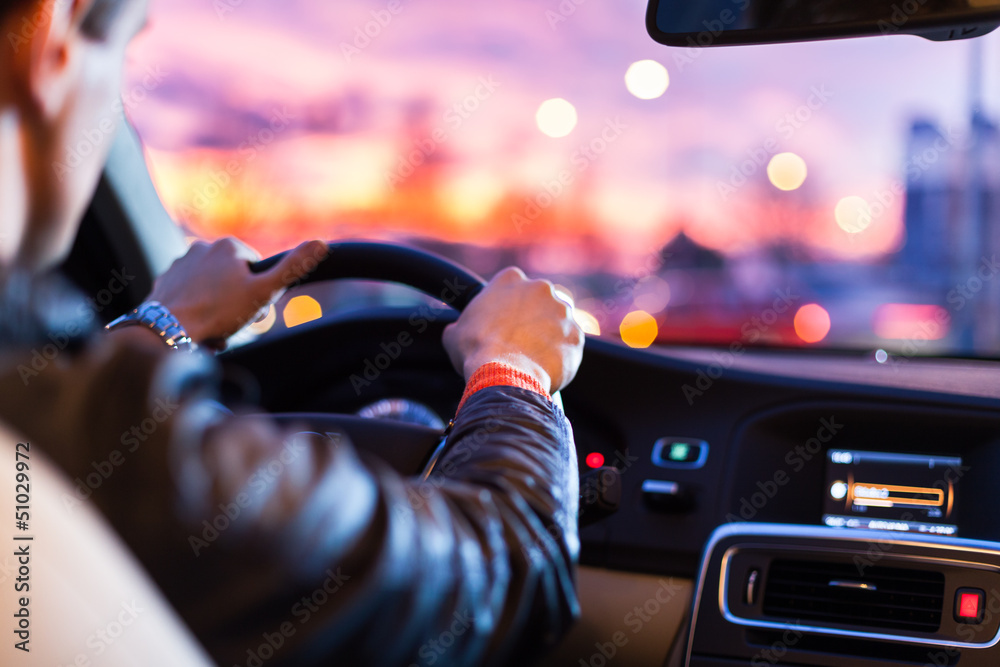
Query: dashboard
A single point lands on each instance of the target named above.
(757, 443)
(779, 463)
(888, 466)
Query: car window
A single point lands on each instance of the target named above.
(842, 194)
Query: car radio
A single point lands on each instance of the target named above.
(911, 493)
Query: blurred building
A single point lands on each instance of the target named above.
(983, 216)
(933, 206)
(952, 219)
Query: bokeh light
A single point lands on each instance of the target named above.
(587, 322)
(556, 118)
(911, 321)
(647, 79)
(300, 310)
(262, 327)
(652, 294)
(853, 214)
(595, 460)
(787, 171)
(639, 329)
(812, 323)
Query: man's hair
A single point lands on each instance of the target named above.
(96, 24)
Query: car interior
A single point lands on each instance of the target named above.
(750, 494)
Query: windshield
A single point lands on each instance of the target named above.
(841, 194)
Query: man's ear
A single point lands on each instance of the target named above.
(49, 64)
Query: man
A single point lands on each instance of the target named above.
(320, 558)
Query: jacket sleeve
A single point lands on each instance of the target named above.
(283, 548)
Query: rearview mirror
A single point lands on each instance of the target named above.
(703, 23)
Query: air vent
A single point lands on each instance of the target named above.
(835, 593)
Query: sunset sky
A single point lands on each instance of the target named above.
(275, 122)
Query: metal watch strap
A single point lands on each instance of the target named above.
(154, 316)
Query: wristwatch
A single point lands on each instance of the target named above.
(155, 316)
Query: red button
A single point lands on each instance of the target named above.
(969, 605)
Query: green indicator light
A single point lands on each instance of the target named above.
(680, 451)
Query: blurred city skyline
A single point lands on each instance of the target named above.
(277, 122)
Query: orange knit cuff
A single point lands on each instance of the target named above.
(496, 374)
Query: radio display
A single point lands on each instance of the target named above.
(882, 491)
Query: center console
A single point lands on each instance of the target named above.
(857, 535)
(780, 594)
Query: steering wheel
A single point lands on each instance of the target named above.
(413, 449)
(409, 448)
(368, 260)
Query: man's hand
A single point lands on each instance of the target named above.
(213, 294)
(519, 322)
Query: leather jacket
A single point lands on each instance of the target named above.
(284, 549)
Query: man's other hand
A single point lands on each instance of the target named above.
(213, 294)
(520, 322)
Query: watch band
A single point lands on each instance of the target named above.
(155, 316)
